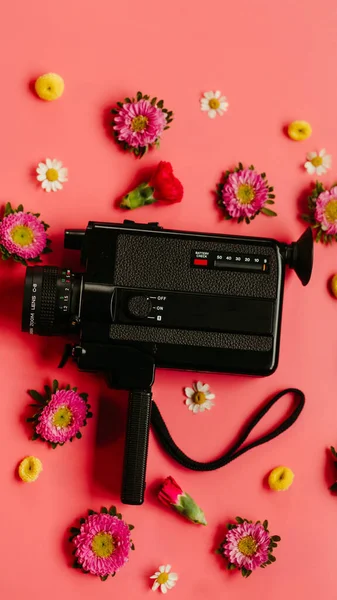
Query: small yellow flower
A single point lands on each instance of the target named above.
(299, 130)
(280, 479)
(30, 469)
(49, 86)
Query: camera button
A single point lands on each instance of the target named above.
(139, 307)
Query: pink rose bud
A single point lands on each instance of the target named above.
(171, 494)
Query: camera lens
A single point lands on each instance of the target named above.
(51, 300)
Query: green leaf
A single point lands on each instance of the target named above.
(55, 386)
(67, 388)
(127, 100)
(139, 96)
(91, 512)
(265, 524)
(333, 451)
(35, 436)
(132, 546)
(31, 419)
(78, 435)
(36, 396)
(104, 578)
(74, 530)
(153, 101)
(231, 526)
(84, 395)
(89, 415)
(131, 527)
(276, 538)
(114, 112)
(333, 487)
(218, 551)
(231, 567)
(271, 557)
(53, 445)
(160, 104)
(47, 391)
(120, 104)
(268, 212)
(74, 389)
(104, 510)
(20, 208)
(82, 521)
(271, 196)
(77, 565)
(112, 511)
(239, 520)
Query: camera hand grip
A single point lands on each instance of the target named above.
(136, 446)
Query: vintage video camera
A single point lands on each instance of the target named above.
(151, 297)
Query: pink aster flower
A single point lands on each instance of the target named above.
(23, 234)
(102, 544)
(62, 417)
(326, 211)
(244, 193)
(139, 124)
(247, 545)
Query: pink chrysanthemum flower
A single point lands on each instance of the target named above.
(247, 545)
(102, 544)
(244, 193)
(62, 417)
(23, 234)
(139, 124)
(326, 211)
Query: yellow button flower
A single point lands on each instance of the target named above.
(299, 130)
(49, 86)
(30, 469)
(280, 479)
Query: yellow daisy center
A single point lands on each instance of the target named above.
(22, 235)
(214, 103)
(52, 175)
(199, 398)
(245, 193)
(103, 545)
(139, 123)
(331, 211)
(247, 546)
(317, 161)
(162, 578)
(62, 417)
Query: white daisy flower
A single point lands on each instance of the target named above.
(164, 579)
(52, 175)
(214, 103)
(318, 163)
(199, 397)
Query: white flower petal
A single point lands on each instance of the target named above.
(162, 568)
(188, 401)
(204, 101)
(63, 174)
(327, 160)
(212, 113)
(49, 163)
(163, 588)
(322, 152)
(155, 575)
(209, 95)
(173, 577)
(195, 408)
(321, 170)
(208, 405)
(224, 106)
(189, 392)
(191, 406)
(155, 586)
(46, 185)
(204, 388)
(170, 584)
(220, 112)
(204, 108)
(167, 568)
(53, 186)
(223, 99)
(199, 386)
(210, 396)
(57, 164)
(202, 408)
(58, 185)
(42, 167)
(311, 155)
(41, 177)
(217, 94)
(310, 168)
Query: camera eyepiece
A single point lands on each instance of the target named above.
(51, 300)
(300, 255)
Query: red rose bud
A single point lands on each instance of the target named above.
(171, 494)
(166, 186)
(163, 185)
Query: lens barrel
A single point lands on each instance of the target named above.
(51, 300)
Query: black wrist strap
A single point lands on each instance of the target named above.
(236, 450)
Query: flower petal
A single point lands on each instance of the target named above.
(191, 406)
(42, 167)
(58, 185)
(327, 160)
(210, 396)
(321, 170)
(212, 113)
(63, 174)
(195, 408)
(189, 392)
(204, 388)
(167, 568)
(188, 401)
(155, 586)
(224, 105)
(53, 186)
(322, 152)
(209, 95)
(49, 163)
(41, 177)
(162, 568)
(220, 112)
(155, 575)
(170, 584)
(199, 386)
(163, 588)
(173, 577)
(217, 94)
(311, 155)
(310, 168)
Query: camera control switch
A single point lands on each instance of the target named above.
(139, 307)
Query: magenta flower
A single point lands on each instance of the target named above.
(244, 193)
(139, 123)
(22, 235)
(171, 494)
(248, 546)
(61, 414)
(102, 543)
(326, 211)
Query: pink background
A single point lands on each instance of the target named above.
(275, 62)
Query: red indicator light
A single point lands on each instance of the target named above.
(200, 262)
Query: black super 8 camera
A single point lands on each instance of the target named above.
(157, 297)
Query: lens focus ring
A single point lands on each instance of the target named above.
(48, 297)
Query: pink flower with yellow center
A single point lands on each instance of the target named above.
(247, 546)
(62, 417)
(326, 211)
(244, 194)
(102, 543)
(23, 235)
